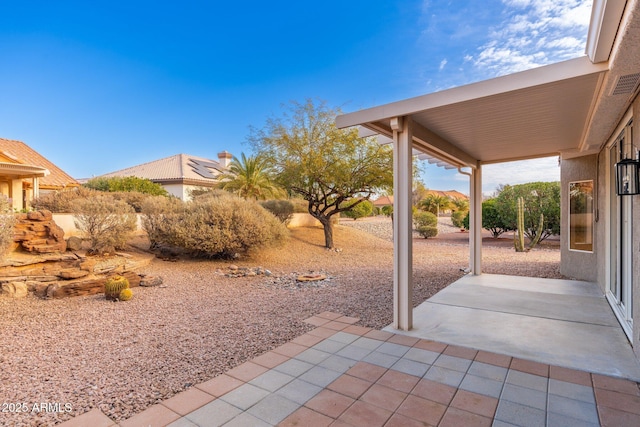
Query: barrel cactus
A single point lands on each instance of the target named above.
(113, 286)
(125, 294)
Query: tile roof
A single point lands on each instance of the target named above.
(20, 153)
(451, 194)
(180, 167)
(383, 201)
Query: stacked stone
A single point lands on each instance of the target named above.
(37, 232)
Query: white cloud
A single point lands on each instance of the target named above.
(520, 172)
(442, 64)
(534, 33)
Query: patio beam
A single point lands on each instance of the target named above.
(402, 223)
(428, 141)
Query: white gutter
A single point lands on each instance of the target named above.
(605, 21)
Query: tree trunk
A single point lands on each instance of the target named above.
(328, 231)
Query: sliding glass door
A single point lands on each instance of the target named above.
(620, 286)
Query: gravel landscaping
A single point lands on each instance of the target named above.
(122, 357)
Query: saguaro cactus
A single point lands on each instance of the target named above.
(518, 235)
(536, 239)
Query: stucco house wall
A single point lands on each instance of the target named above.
(577, 264)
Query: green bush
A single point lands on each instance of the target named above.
(387, 210)
(426, 224)
(7, 222)
(157, 213)
(126, 184)
(105, 221)
(457, 218)
(361, 210)
(222, 226)
(427, 231)
(465, 221)
(281, 209)
(421, 219)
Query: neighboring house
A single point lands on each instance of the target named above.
(582, 109)
(24, 174)
(383, 201)
(452, 195)
(179, 174)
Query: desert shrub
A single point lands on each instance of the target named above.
(222, 226)
(105, 221)
(457, 218)
(157, 213)
(299, 205)
(426, 224)
(427, 231)
(387, 210)
(60, 201)
(135, 199)
(126, 184)
(421, 219)
(361, 210)
(281, 209)
(205, 192)
(7, 221)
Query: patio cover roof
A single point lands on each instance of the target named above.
(534, 113)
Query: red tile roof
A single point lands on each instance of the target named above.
(20, 153)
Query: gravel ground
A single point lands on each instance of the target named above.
(122, 357)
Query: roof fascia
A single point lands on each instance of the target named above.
(429, 143)
(525, 79)
(20, 170)
(606, 16)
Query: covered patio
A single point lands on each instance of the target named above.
(13, 185)
(569, 109)
(566, 323)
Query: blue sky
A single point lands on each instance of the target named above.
(100, 86)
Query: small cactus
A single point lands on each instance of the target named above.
(113, 286)
(125, 294)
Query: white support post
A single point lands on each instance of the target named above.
(36, 187)
(402, 224)
(16, 194)
(475, 221)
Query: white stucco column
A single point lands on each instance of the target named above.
(36, 187)
(402, 224)
(475, 221)
(16, 193)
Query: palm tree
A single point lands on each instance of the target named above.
(250, 178)
(433, 203)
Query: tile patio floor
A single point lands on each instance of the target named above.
(340, 374)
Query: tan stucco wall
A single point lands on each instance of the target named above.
(303, 220)
(65, 221)
(576, 264)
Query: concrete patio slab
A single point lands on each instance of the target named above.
(558, 322)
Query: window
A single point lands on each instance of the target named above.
(581, 216)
